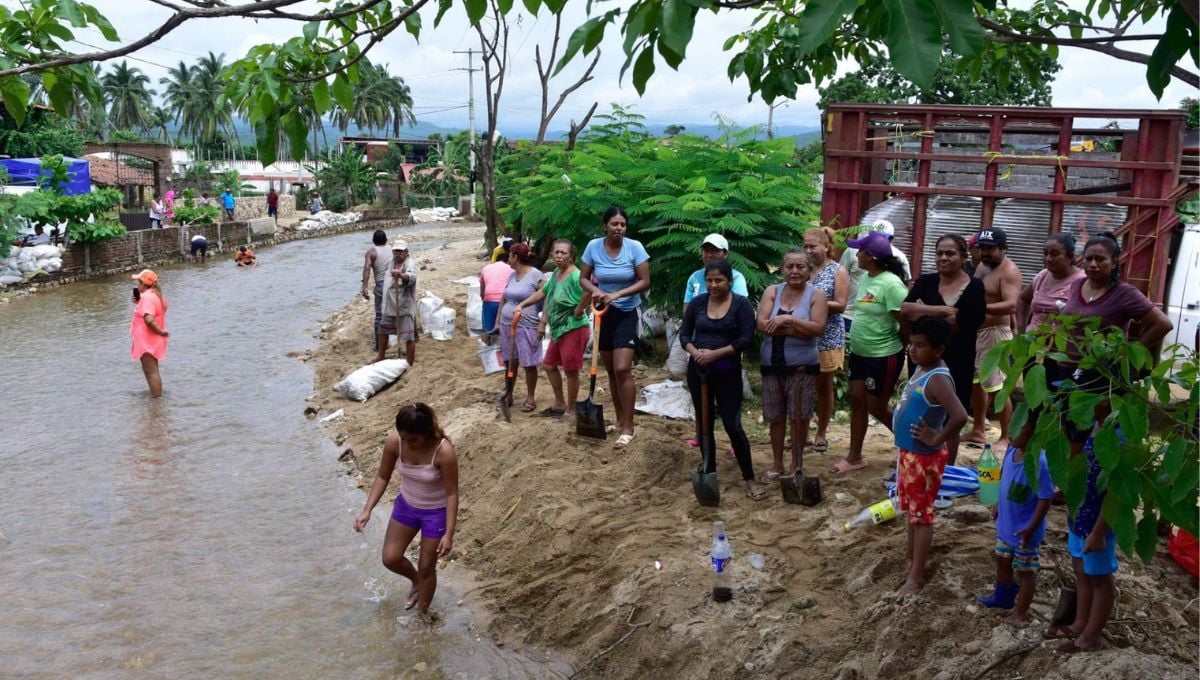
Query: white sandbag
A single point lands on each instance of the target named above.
(474, 309)
(44, 251)
(654, 324)
(677, 358)
(441, 323)
(669, 398)
(747, 391)
(52, 265)
(366, 381)
(427, 304)
(9, 280)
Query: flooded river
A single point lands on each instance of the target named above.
(207, 534)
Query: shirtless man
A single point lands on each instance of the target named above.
(1002, 287)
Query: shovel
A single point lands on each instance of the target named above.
(589, 416)
(510, 377)
(704, 478)
(798, 489)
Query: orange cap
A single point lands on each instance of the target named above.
(146, 277)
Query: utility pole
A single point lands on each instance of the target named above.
(470, 69)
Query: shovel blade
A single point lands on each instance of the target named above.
(789, 486)
(589, 420)
(505, 409)
(706, 488)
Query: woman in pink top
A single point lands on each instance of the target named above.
(149, 328)
(427, 503)
(492, 281)
(1048, 291)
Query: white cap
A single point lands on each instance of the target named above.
(399, 244)
(884, 227)
(717, 241)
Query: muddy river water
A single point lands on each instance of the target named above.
(207, 534)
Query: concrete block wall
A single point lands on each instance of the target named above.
(249, 207)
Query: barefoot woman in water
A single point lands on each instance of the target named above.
(427, 503)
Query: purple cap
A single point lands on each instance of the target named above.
(875, 244)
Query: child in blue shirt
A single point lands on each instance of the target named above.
(1020, 527)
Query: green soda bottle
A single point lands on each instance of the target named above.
(989, 477)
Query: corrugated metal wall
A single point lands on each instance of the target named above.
(1027, 224)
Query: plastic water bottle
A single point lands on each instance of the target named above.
(989, 477)
(878, 513)
(722, 591)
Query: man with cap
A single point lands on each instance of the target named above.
(1002, 287)
(849, 262)
(714, 247)
(504, 246)
(400, 304)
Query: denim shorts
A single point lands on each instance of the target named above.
(431, 523)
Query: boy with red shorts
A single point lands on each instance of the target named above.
(928, 413)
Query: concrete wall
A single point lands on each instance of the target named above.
(249, 207)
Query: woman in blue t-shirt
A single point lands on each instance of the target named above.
(615, 270)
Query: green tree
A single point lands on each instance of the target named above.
(1191, 106)
(344, 179)
(672, 130)
(675, 194)
(380, 101)
(128, 96)
(43, 133)
(878, 81)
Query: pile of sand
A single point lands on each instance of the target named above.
(563, 535)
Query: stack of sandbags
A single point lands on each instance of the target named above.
(326, 218)
(25, 263)
(433, 214)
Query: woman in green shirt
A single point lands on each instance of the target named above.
(563, 315)
(876, 350)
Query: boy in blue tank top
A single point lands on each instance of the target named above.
(928, 413)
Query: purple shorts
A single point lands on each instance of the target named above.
(529, 346)
(431, 523)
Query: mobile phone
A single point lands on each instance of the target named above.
(137, 294)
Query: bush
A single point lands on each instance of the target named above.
(197, 214)
(675, 192)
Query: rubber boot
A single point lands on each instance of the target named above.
(1003, 597)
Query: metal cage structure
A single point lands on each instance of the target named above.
(1014, 157)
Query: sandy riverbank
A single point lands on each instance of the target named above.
(562, 534)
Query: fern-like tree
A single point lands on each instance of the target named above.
(675, 193)
(127, 92)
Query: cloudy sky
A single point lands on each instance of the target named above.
(691, 95)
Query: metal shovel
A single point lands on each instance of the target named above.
(589, 416)
(704, 479)
(510, 378)
(798, 489)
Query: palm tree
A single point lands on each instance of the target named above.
(158, 117)
(178, 89)
(192, 95)
(380, 100)
(125, 90)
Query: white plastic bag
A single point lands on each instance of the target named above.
(669, 399)
(677, 358)
(426, 306)
(366, 381)
(654, 323)
(474, 309)
(441, 323)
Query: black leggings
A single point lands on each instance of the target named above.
(726, 390)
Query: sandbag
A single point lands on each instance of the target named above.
(677, 357)
(363, 383)
(654, 324)
(474, 309)
(426, 306)
(9, 280)
(441, 323)
(669, 398)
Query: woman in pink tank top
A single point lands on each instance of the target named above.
(427, 503)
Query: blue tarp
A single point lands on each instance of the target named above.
(25, 172)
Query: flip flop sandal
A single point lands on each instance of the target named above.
(769, 477)
(1059, 633)
(821, 446)
(692, 442)
(1070, 647)
(413, 597)
(528, 406)
(623, 441)
(729, 453)
(757, 494)
(549, 412)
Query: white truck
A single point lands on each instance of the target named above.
(1183, 291)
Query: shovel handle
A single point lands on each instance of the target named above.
(598, 310)
(512, 343)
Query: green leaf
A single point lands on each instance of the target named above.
(15, 93)
(673, 59)
(1147, 537)
(1082, 407)
(1120, 518)
(320, 94)
(966, 36)
(475, 10)
(70, 10)
(266, 134)
(1035, 385)
(1174, 43)
(643, 68)
(1134, 419)
(343, 91)
(914, 39)
(575, 43)
(412, 24)
(532, 6)
(1174, 458)
(310, 31)
(443, 7)
(675, 31)
(817, 23)
(1185, 483)
(296, 129)
(1107, 447)
(1126, 483)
